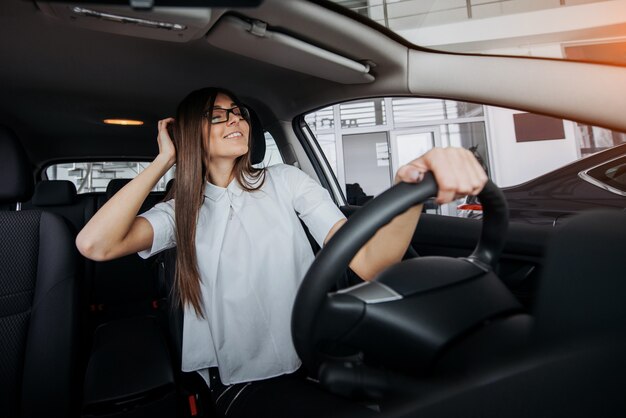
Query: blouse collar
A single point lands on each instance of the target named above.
(214, 192)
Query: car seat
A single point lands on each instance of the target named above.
(38, 299)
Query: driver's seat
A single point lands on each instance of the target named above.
(583, 289)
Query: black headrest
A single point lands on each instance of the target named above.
(16, 177)
(169, 185)
(54, 193)
(257, 143)
(583, 289)
(115, 186)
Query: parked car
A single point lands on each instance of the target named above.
(593, 182)
(489, 320)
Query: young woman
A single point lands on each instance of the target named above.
(241, 251)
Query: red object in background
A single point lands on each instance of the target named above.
(470, 206)
(192, 405)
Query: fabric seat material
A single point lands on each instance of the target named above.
(38, 294)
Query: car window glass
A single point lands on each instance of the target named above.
(374, 137)
(95, 176)
(272, 154)
(613, 174)
(366, 141)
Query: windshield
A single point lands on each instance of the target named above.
(581, 30)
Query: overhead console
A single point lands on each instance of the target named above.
(256, 39)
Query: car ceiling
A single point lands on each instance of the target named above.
(60, 80)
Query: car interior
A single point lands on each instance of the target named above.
(482, 317)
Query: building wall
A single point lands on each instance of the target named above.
(517, 162)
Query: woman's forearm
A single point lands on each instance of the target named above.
(110, 225)
(457, 173)
(387, 246)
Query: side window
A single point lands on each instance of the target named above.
(366, 141)
(272, 155)
(95, 176)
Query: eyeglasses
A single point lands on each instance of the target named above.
(219, 115)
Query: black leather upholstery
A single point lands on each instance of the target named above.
(38, 300)
(169, 185)
(584, 287)
(125, 286)
(575, 366)
(115, 185)
(129, 371)
(257, 144)
(16, 177)
(59, 196)
(54, 193)
(578, 384)
(129, 359)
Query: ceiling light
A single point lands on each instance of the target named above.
(127, 19)
(123, 122)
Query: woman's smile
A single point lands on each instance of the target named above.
(236, 134)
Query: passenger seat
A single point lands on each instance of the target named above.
(38, 294)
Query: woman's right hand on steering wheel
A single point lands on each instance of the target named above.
(167, 149)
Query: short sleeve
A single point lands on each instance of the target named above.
(162, 219)
(312, 203)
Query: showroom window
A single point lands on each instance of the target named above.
(366, 141)
(593, 139)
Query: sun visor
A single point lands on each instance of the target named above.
(163, 23)
(256, 40)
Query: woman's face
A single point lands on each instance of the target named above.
(229, 139)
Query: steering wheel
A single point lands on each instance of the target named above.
(412, 311)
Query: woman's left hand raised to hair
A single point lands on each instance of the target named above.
(456, 170)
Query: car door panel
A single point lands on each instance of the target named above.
(520, 263)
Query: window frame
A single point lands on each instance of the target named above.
(584, 174)
(317, 158)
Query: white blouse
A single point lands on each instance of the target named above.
(252, 255)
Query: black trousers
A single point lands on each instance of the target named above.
(290, 396)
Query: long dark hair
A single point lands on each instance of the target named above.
(192, 171)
